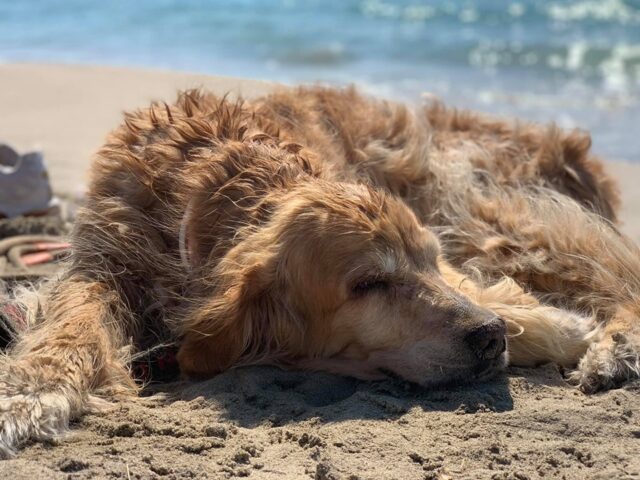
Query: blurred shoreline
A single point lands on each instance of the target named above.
(67, 111)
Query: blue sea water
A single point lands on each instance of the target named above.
(575, 62)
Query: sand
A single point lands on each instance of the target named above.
(261, 422)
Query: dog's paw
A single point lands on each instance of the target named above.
(32, 407)
(608, 363)
(31, 417)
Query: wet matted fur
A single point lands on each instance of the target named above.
(316, 228)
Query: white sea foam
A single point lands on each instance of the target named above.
(602, 10)
(516, 9)
(621, 69)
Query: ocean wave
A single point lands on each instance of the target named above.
(418, 12)
(600, 10)
(617, 66)
(612, 11)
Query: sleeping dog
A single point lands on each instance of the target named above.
(320, 229)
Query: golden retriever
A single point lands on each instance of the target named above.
(317, 228)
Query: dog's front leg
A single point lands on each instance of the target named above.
(55, 371)
(537, 333)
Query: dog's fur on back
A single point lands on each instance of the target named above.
(316, 228)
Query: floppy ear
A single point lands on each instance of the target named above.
(228, 320)
(247, 323)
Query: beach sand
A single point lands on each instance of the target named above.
(266, 423)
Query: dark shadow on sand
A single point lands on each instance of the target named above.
(254, 395)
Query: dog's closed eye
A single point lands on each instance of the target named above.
(370, 285)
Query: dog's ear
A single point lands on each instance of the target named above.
(246, 322)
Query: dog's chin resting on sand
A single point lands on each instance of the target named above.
(319, 229)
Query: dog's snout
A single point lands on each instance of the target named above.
(488, 340)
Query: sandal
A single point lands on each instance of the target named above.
(24, 184)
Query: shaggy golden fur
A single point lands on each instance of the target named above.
(316, 228)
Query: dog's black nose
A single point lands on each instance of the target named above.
(487, 341)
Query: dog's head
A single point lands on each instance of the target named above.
(343, 278)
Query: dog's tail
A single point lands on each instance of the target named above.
(63, 366)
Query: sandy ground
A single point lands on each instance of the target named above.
(265, 423)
